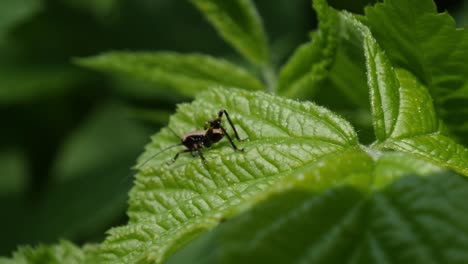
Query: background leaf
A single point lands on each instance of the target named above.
(23, 85)
(309, 64)
(238, 22)
(14, 12)
(184, 74)
(83, 180)
(101, 9)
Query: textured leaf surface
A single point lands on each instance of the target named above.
(417, 38)
(185, 74)
(283, 139)
(309, 64)
(64, 252)
(403, 112)
(238, 22)
(413, 220)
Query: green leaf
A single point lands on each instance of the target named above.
(185, 74)
(13, 12)
(283, 139)
(23, 84)
(384, 89)
(13, 168)
(239, 23)
(414, 220)
(415, 37)
(64, 252)
(309, 64)
(347, 74)
(89, 185)
(390, 166)
(101, 9)
(403, 113)
(435, 147)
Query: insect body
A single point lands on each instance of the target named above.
(214, 132)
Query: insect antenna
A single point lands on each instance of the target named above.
(161, 151)
(135, 169)
(157, 153)
(173, 132)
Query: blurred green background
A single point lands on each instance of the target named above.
(68, 135)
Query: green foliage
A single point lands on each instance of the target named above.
(308, 66)
(28, 83)
(305, 187)
(14, 12)
(427, 44)
(403, 112)
(101, 9)
(238, 22)
(282, 138)
(184, 74)
(344, 225)
(64, 252)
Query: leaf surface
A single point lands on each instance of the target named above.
(64, 252)
(283, 139)
(310, 63)
(417, 38)
(403, 112)
(185, 74)
(415, 219)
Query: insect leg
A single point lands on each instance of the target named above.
(230, 139)
(201, 154)
(220, 115)
(177, 155)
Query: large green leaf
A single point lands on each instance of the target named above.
(417, 38)
(238, 22)
(310, 63)
(283, 139)
(185, 74)
(413, 220)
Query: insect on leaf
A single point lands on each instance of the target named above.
(282, 139)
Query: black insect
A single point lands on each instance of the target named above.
(214, 132)
(196, 140)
